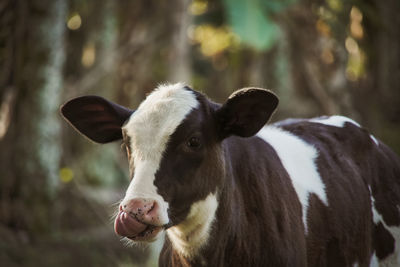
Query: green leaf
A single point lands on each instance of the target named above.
(250, 21)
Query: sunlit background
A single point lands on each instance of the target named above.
(58, 191)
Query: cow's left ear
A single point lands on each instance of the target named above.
(245, 112)
(96, 118)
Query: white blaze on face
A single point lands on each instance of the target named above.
(149, 129)
(298, 158)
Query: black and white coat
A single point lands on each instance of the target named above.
(229, 191)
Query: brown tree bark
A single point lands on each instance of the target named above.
(33, 53)
(380, 95)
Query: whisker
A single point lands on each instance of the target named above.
(129, 243)
(113, 216)
(116, 203)
(116, 211)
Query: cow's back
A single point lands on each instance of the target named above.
(359, 222)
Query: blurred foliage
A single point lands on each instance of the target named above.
(252, 22)
(320, 56)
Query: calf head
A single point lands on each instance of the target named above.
(174, 142)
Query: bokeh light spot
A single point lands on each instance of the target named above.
(88, 55)
(74, 22)
(66, 175)
(356, 28)
(212, 40)
(335, 5)
(323, 28)
(351, 45)
(355, 14)
(198, 7)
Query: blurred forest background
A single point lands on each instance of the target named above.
(58, 191)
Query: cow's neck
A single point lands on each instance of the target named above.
(212, 223)
(192, 234)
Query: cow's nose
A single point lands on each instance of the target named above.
(143, 209)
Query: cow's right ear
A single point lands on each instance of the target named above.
(245, 112)
(96, 118)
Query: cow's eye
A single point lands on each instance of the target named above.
(194, 143)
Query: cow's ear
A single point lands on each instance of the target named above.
(95, 117)
(245, 112)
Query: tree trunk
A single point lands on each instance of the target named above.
(384, 67)
(179, 63)
(30, 145)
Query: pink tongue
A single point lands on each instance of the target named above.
(125, 225)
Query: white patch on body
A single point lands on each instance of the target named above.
(374, 261)
(149, 129)
(337, 121)
(374, 139)
(298, 158)
(190, 235)
(393, 259)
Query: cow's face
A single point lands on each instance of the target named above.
(175, 152)
(174, 159)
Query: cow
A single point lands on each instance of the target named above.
(228, 189)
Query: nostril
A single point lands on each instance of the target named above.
(145, 210)
(151, 207)
(152, 211)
